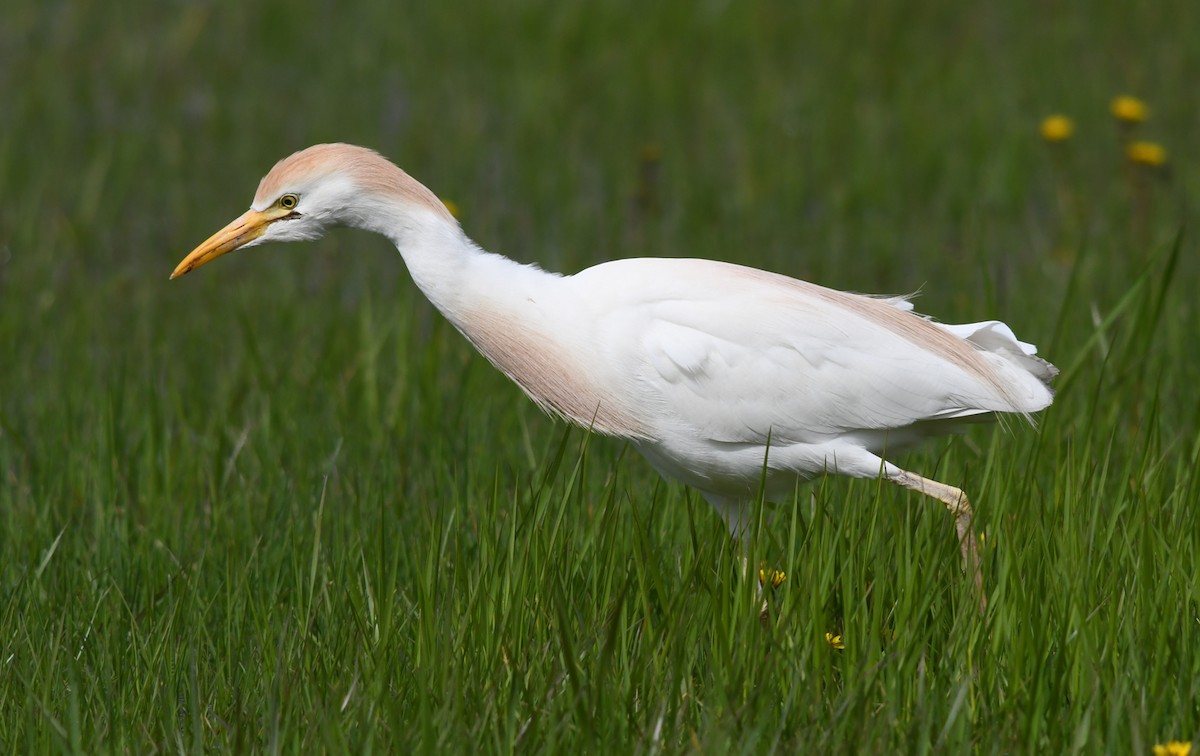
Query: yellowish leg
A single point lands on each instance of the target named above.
(956, 501)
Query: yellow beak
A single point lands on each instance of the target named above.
(243, 230)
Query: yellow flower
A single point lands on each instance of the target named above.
(1147, 153)
(451, 205)
(1057, 128)
(772, 576)
(1129, 109)
(1173, 748)
(836, 642)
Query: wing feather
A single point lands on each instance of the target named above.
(733, 354)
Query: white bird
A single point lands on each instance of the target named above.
(724, 377)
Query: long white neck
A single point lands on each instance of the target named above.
(521, 318)
(460, 278)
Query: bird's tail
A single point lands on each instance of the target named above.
(1016, 361)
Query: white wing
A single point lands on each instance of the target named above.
(732, 354)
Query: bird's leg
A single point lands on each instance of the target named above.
(764, 613)
(736, 513)
(956, 501)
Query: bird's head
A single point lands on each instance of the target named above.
(318, 187)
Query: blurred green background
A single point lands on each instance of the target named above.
(259, 507)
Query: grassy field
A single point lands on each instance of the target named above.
(280, 505)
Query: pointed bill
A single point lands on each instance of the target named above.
(243, 230)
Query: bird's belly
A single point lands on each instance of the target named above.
(743, 469)
(737, 470)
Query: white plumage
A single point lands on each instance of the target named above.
(707, 368)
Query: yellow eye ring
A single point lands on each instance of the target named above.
(288, 201)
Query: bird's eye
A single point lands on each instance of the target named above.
(288, 201)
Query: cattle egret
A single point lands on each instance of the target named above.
(724, 377)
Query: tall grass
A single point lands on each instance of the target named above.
(280, 505)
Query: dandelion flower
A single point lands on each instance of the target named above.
(1173, 748)
(771, 576)
(1152, 154)
(1057, 128)
(452, 206)
(1129, 109)
(836, 642)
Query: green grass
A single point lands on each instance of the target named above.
(280, 505)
